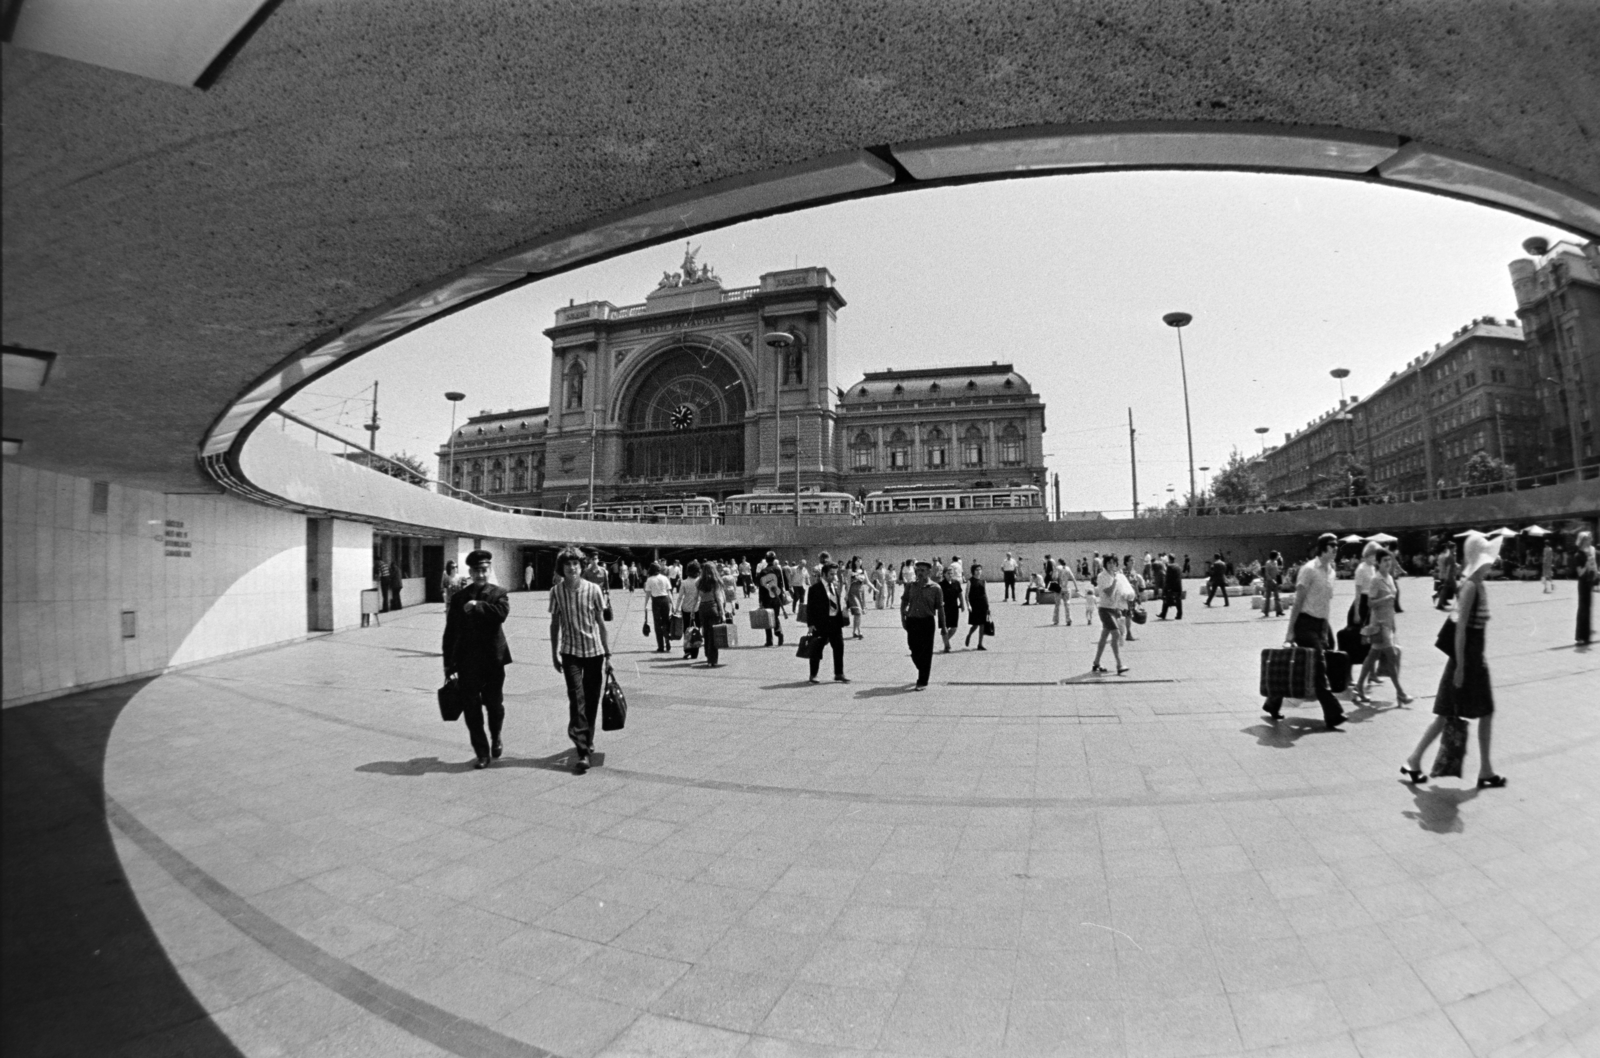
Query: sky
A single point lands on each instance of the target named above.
(1066, 277)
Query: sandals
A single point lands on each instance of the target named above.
(1491, 782)
(1404, 699)
(1122, 671)
(1415, 778)
(1098, 668)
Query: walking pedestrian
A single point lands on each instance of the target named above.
(708, 610)
(856, 595)
(1587, 572)
(1008, 572)
(450, 582)
(879, 590)
(1464, 688)
(1308, 626)
(825, 617)
(1445, 571)
(921, 610)
(689, 609)
(1218, 580)
(950, 590)
(1383, 592)
(476, 655)
(579, 649)
(1172, 589)
(772, 587)
(1066, 587)
(978, 607)
(658, 589)
(1113, 592)
(1271, 573)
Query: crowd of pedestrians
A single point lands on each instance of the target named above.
(692, 605)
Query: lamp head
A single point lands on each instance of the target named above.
(779, 339)
(1340, 372)
(454, 396)
(1177, 319)
(1538, 246)
(1262, 429)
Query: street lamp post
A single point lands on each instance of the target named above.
(1178, 321)
(1262, 432)
(779, 342)
(454, 398)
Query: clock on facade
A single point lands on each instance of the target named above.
(682, 417)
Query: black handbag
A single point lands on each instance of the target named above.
(452, 701)
(1445, 641)
(1138, 615)
(809, 647)
(647, 629)
(988, 629)
(1353, 643)
(613, 704)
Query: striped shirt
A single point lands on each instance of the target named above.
(577, 612)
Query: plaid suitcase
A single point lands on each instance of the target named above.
(1289, 672)
(725, 635)
(760, 619)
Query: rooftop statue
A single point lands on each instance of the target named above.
(689, 274)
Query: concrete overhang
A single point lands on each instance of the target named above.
(362, 169)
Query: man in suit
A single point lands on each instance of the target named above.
(1172, 589)
(1218, 580)
(826, 616)
(476, 655)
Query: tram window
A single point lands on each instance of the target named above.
(982, 502)
(966, 503)
(902, 504)
(1002, 501)
(922, 503)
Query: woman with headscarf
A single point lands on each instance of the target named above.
(1464, 689)
(1587, 572)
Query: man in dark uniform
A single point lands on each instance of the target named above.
(1218, 581)
(1172, 589)
(921, 611)
(826, 616)
(476, 654)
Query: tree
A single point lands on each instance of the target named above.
(1349, 485)
(1238, 484)
(1484, 472)
(415, 472)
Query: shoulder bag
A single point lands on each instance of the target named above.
(452, 701)
(613, 704)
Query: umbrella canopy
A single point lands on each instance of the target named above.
(1463, 535)
(1505, 531)
(1352, 539)
(1383, 538)
(1534, 530)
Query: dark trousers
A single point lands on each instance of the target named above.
(834, 636)
(1270, 599)
(661, 613)
(919, 637)
(484, 692)
(1313, 632)
(1011, 585)
(1172, 599)
(391, 597)
(1212, 589)
(1584, 632)
(707, 623)
(584, 676)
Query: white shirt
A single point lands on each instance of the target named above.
(1318, 583)
(1009, 565)
(1113, 590)
(658, 586)
(1365, 571)
(955, 568)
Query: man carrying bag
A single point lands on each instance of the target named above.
(579, 649)
(476, 656)
(1308, 628)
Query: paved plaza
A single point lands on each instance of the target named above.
(1024, 860)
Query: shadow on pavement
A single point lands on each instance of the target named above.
(883, 692)
(82, 971)
(1286, 732)
(1439, 810)
(417, 766)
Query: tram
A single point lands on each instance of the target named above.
(910, 504)
(816, 508)
(676, 510)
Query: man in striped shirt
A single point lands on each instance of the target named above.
(579, 649)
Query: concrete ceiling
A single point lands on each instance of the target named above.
(172, 245)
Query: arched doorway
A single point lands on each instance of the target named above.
(684, 422)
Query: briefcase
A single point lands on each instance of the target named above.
(613, 704)
(810, 647)
(1289, 672)
(1337, 664)
(452, 701)
(760, 619)
(1049, 598)
(1352, 643)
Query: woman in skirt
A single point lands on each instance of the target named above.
(1464, 689)
(977, 606)
(952, 604)
(856, 595)
(1379, 631)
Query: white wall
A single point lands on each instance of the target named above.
(69, 574)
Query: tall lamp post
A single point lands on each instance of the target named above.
(1178, 321)
(779, 342)
(454, 398)
(1261, 431)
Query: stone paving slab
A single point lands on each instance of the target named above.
(1025, 859)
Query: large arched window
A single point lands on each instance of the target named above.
(972, 447)
(684, 419)
(1010, 446)
(899, 451)
(519, 475)
(497, 476)
(861, 451)
(475, 479)
(938, 452)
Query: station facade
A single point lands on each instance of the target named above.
(684, 395)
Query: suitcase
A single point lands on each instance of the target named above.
(675, 629)
(1049, 598)
(724, 635)
(760, 619)
(1352, 643)
(1289, 672)
(1337, 664)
